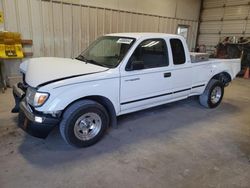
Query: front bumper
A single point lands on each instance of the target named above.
(28, 121)
(33, 122)
(18, 94)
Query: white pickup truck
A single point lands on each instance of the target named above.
(118, 74)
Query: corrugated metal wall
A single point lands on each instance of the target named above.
(222, 18)
(65, 29)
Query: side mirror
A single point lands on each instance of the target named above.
(137, 65)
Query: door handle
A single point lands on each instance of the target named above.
(167, 74)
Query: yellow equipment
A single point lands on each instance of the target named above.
(10, 45)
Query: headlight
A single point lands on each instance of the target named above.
(36, 98)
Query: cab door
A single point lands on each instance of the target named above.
(182, 72)
(146, 79)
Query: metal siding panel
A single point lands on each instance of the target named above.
(154, 24)
(238, 2)
(236, 12)
(92, 24)
(121, 22)
(149, 24)
(208, 39)
(155, 20)
(37, 28)
(48, 28)
(247, 28)
(161, 7)
(24, 18)
(115, 21)
(233, 20)
(193, 35)
(24, 22)
(212, 14)
(188, 9)
(1, 5)
(231, 27)
(100, 22)
(10, 16)
(76, 13)
(134, 22)
(210, 27)
(140, 23)
(130, 5)
(108, 21)
(67, 30)
(180, 22)
(168, 25)
(190, 34)
(213, 3)
(174, 25)
(196, 26)
(128, 22)
(58, 30)
(85, 28)
(162, 23)
(146, 23)
(113, 4)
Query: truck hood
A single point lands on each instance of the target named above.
(49, 69)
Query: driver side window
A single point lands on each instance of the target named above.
(150, 53)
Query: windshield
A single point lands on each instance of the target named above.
(107, 51)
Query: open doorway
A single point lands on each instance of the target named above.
(183, 31)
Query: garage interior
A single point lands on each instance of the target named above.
(180, 144)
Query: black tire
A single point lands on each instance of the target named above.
(206, 97)
(72, 115)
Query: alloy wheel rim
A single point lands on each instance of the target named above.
(87, 126)
(216, 95)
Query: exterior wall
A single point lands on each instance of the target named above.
(221, 18)
(65, 28)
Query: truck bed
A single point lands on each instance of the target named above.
(233, 66)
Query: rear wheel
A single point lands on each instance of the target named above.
(213, 94)
(84, 123)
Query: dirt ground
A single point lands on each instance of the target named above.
(180, 144)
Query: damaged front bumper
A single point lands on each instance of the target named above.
(33, 122)
(18, 94)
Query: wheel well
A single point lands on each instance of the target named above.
(224, 77)
(106, 103)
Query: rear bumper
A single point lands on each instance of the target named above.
(35, 124)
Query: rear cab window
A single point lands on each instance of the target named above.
(178, 52)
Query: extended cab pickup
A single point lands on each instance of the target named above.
(118, 74)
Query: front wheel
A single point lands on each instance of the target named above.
(213, 94)
(84, 123)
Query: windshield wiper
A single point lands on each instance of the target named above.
(94, 62)
(82, 58)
